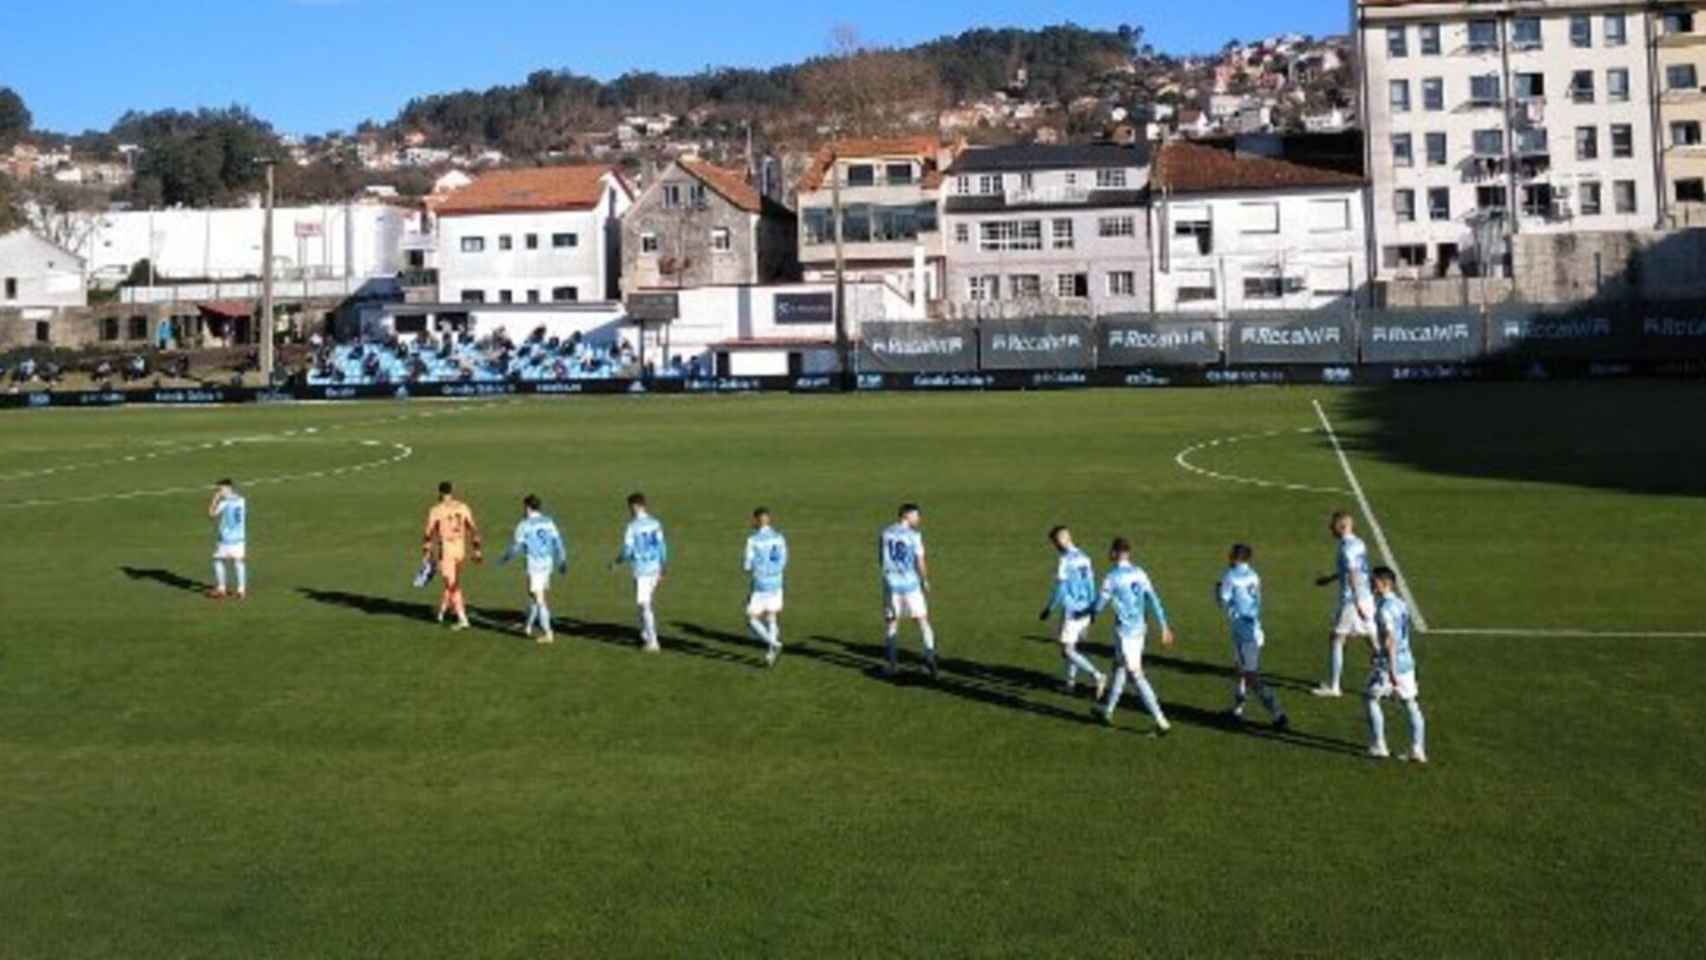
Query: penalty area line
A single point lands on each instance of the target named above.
(1373, 521)
(1564, 633)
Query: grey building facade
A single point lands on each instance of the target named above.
(701, 225)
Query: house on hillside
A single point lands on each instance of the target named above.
(38, 275)
(546, 235)
(697, 224)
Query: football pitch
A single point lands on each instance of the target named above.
(322, 771)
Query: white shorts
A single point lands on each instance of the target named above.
(1380, 686)
(1072, 630)
(764, 604)
(1129, 647)
(1354, 621)
(538, 579)
(644, 588)
(905, 606)
(231, 551)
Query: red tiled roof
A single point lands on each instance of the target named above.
(728, 184)
(875, 148)
(1185, 167)
(543, 188)
(227, 309)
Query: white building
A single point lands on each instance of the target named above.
(1486, 119)
(546, 235)
(37, 275)
(1263, 223)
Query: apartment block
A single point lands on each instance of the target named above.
(1679, 56)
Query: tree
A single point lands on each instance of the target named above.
(199, 158)
(62, 213)
(864, 90)
(15, 119)
(11, 211)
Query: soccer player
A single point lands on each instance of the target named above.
(646, 553)
(230, 515)
(1074, 595)
(1394, 670)
(1239, 596)
(1128, 590)
(450, 530)
(1355, 617)
(766, 562)
(538, 539)
(906, 582)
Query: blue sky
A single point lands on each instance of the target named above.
(311, 66)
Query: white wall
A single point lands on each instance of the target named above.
(35, 273)
(711, 315)
(363, 239)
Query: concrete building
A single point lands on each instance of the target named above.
(1487, 119)
(1047, 230)
(36, 275)
(546, 235)
(1679, 56)
(890, 230)
(1259, 223)
(698, 224)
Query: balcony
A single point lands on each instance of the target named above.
(1048, 196)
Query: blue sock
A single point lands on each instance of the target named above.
(1418, 726)
(1266, 693)
(775, 636)
(928, 637)
(1240, 693)
(242, 576)
(759, 631)
(1076, 661)
(544, 617)
(219, 575)
(891, 633)
(1147, 693)
(1336, 664)
(1115, 691)
(1376, 723)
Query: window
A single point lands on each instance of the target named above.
(1405, 255)
(506, 242)
(1532, 142)
(998, 235)
(1396, 45)
(1110, 179)
(532, 241)
(649, 243)
(1062, 230)
(1329, 216)
(1623, 195)
(1259, 217)
(672, 196)
(1436, 149)
(506, 296)
(109, 328)
(1027, 181)
(1581, 86)
(697, 198)
(1122, 283)
(1025, 286)
(1681, 76)
(473, 244)
(11, 288)
(1072, 286)
(1430, 39)
(1194, 224)
(1530, 86)
(1195, 286)
(1404, 205)
(1588, 204)
(1617, 85)
(861, 175)
(1433, 94)
(1525, 33)
(1685, 133)
(1116, 227)
(473, 296)
(137, 328)
(1622, 140)
(1483, 35)
(1492, 199)
(564, 241)
(44, 332)
(989, 183)
(1264, 288)
(897, 174)
(962, 185)
(1677, 21)
(1587, 143)
(565, 294)
(1489, 143)
(1692, 190)
(1581, 30)
(722, 240)
(1616, 30)
(962, 233)
(1439, 203)
(982, 289)
(1402, 153)
(1400, 96)
(1484, 90)
(532, 296)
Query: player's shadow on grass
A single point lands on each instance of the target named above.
(167, 578)
(1195, 668)
(628, 636)
(485, 619)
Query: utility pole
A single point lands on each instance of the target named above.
(266, 320)
(842, 351)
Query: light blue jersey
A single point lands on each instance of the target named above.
(1352, 570)
(1074, 585)
(898, 552)
(766, 560)
(1393, 618)
(1128, 590)
(538, 539)
(1239, 594)
(644, 549)
(232, 521)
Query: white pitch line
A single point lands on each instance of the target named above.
(1183, 459)
(1373, 521)
(1583, 634)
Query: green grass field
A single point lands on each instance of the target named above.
(321, 771)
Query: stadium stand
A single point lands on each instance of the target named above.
(460, 358)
